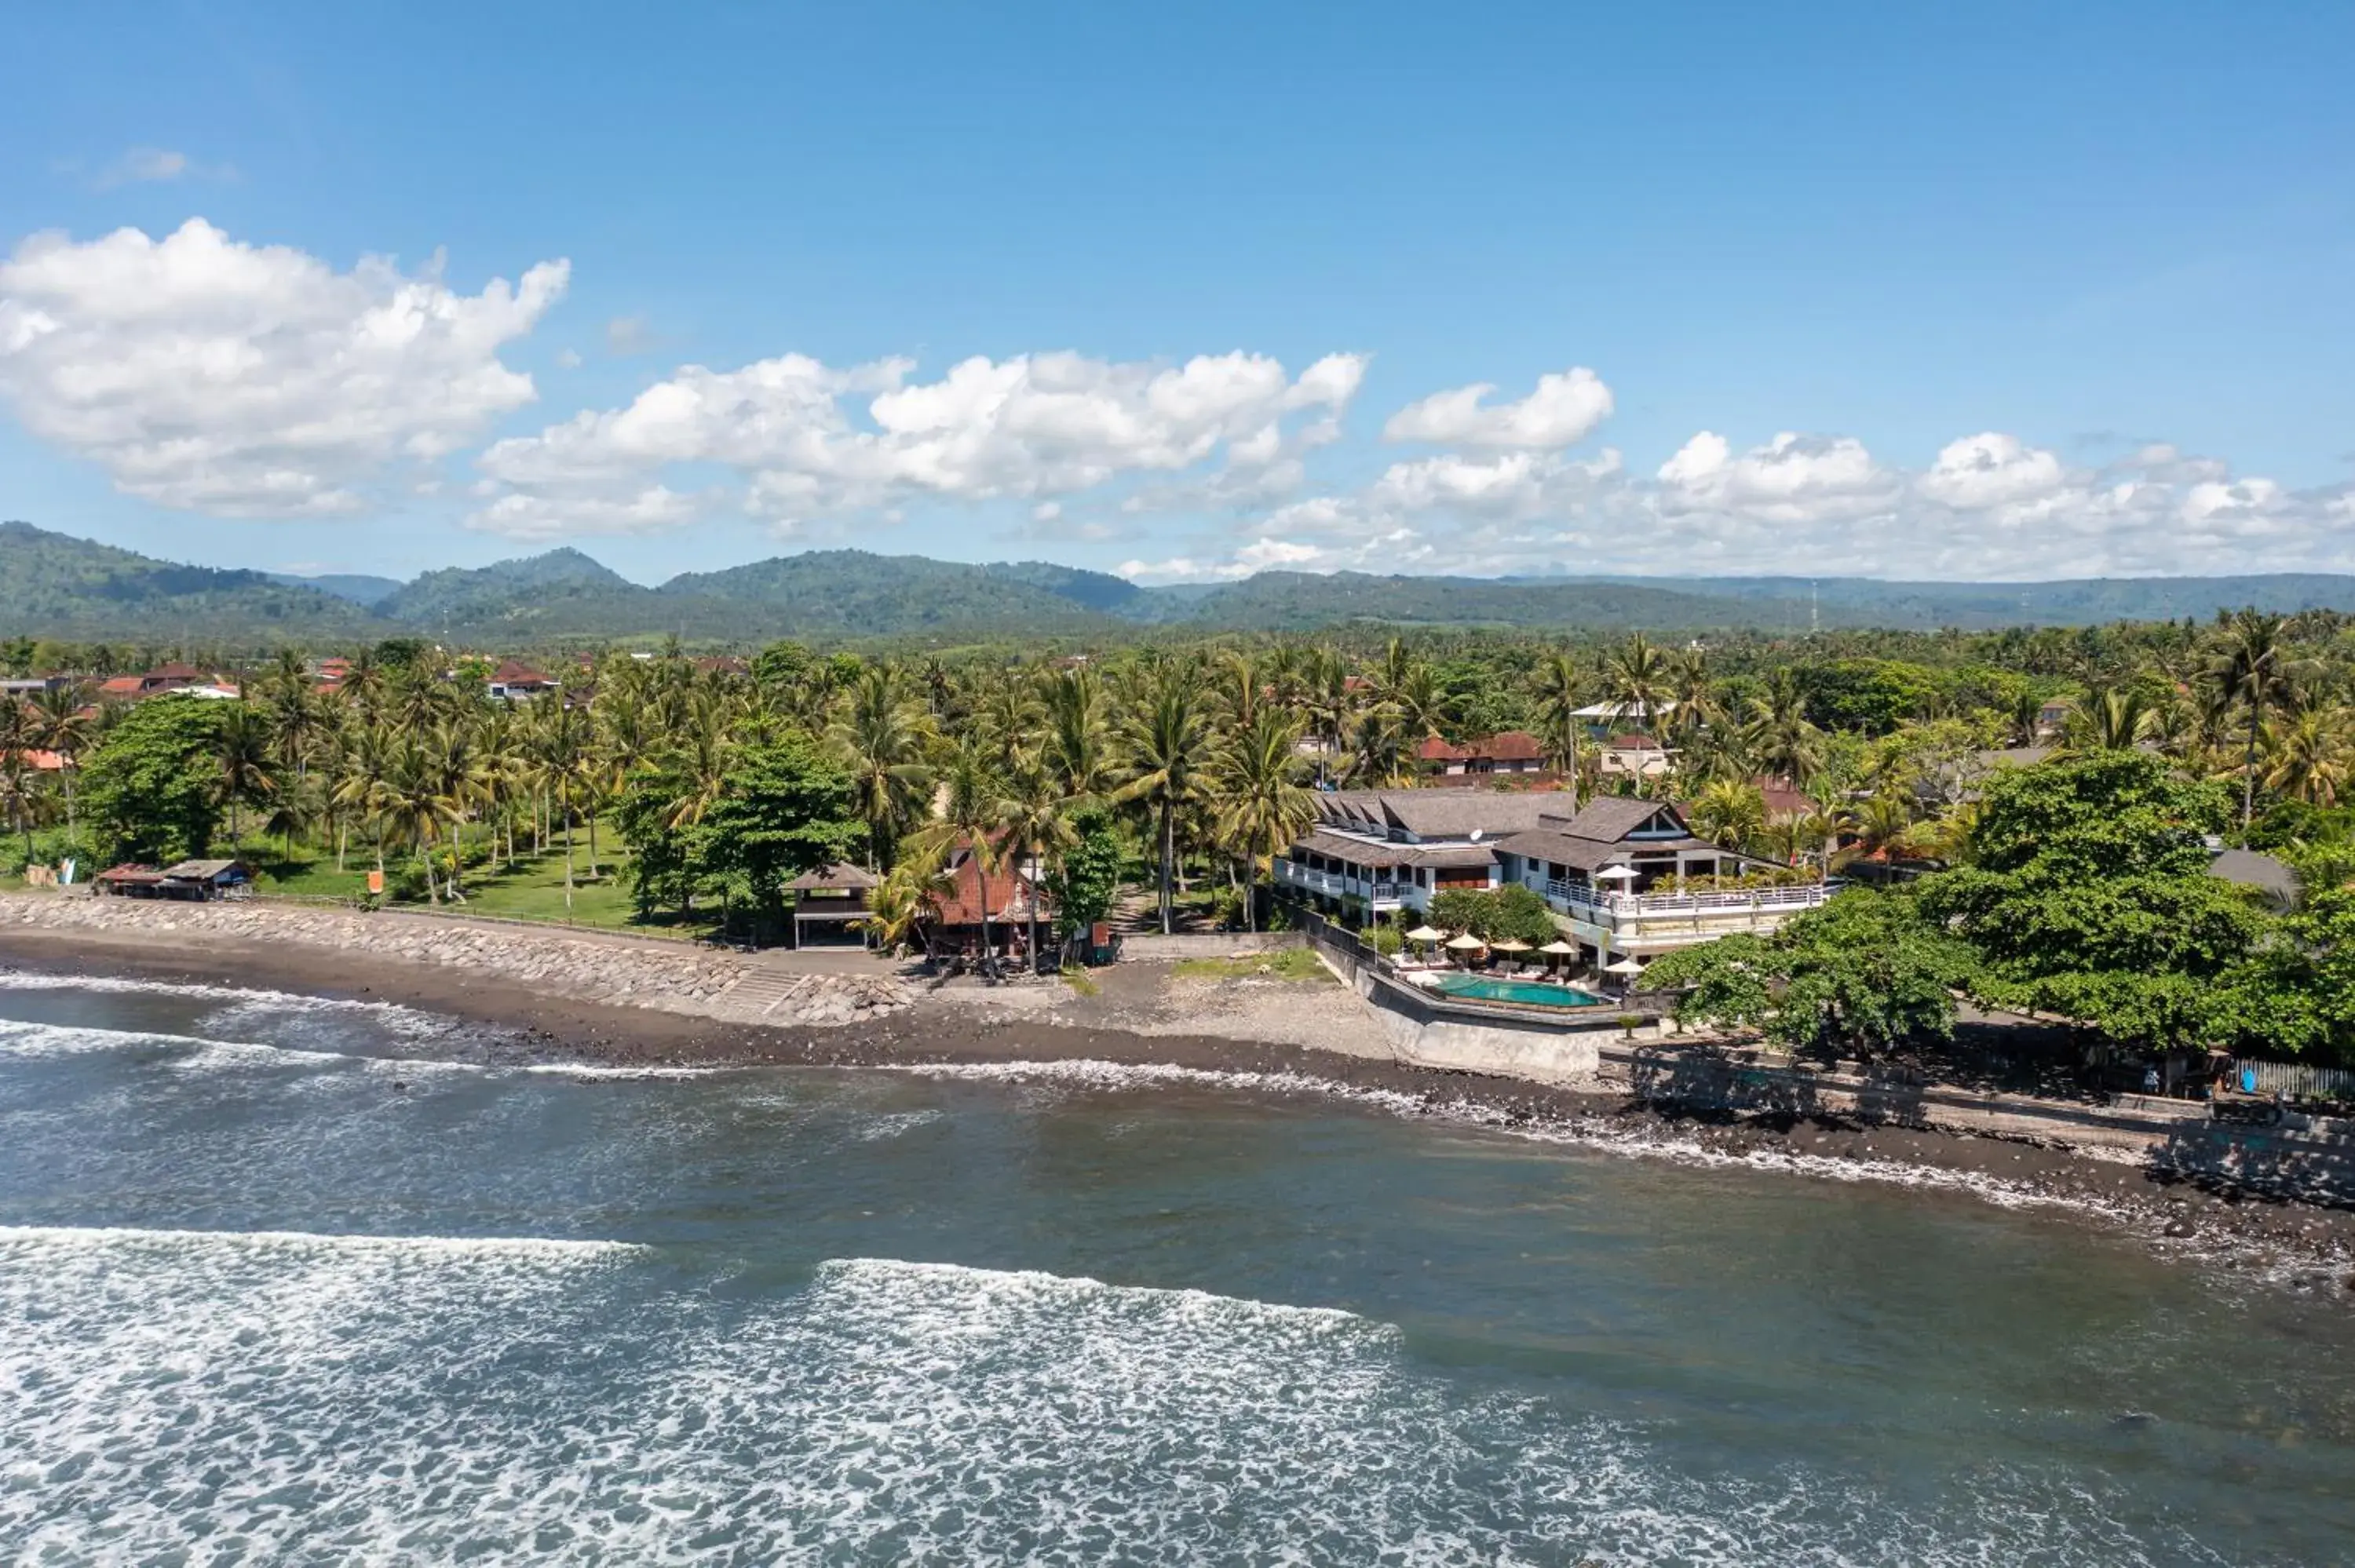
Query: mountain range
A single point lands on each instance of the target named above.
(54, 584)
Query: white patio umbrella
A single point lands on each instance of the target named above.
(1512, 945)
(1425, 934)
(1616, 874)
(1465, 943)
(1622, 966)
(1558, 948)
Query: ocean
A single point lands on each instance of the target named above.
(291, 1281)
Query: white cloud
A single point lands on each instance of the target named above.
(567, 359)
(1033, 428)
(1561, 412)
(1791, 478)
(1991, 470)
(249, 380)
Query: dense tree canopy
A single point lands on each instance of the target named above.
(149, 791)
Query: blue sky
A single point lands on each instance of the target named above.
(2017, 291)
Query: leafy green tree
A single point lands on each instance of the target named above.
(149, 788)
(787, 808)
(1088, 875)
(2087, 896)
(1510, 913)
(1863, 973)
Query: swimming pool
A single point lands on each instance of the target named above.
(1487, 987)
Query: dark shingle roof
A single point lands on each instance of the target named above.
(1608, 819)
(829, 877)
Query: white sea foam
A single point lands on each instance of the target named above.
(197, 1397)
(391, 1015)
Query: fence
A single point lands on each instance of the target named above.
(2296, 1081)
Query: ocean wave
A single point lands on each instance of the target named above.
(348, 1400)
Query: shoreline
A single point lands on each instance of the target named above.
(2306, 1246)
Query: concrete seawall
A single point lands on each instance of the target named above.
(2311, 1159)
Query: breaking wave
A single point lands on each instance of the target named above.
(209, 1396)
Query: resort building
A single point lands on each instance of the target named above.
(1624, 878)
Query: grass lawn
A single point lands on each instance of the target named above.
(1287, 963)
(534, 890)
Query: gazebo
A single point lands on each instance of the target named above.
(828, 903)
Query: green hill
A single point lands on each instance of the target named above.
(851, 593)
(53, 585)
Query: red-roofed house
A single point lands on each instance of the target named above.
(1507, 751)
(162, 678)
(1013, 898)
(512, 680)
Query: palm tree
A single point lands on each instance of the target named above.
(2250, 670)
(58, 722)
(2110, 719)
(20, 791)
(1261, 805)
(1730, 814)
(241, 753)
(560, 749)
(1782, 738)
(1636, 677)
(974, 815)
(1078, 741)
(365, 786)
(1165, 742)
(2311, 755)
(1036, 827)
(896, 907)
(1559, 688)
(883, 736)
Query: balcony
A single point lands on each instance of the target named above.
(1767, 903)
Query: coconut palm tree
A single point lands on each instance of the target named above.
(1636, 677)
(561, 746)
(974, 814)
(1037, 826)
(1164, 741)
(896, 907)
(245, 770)
(19, 792)
(883, 736)
(2250, 670)
(57, 720)
(365, 786)
(1077, 745)
(1730, 813)
(1261, 805)
(1781, 738)
(2110, 719)
(2311, 755)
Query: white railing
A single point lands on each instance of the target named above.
(1640, 906)
(2297, 1080)
(1387, 893)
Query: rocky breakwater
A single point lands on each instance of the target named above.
(609, 970)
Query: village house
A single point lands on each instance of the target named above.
(954, 926)
(1507, 751)
(163, 678)
(187, 881)
(513, 680)
(1623, 877)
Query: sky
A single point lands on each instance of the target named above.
(2013, 291)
